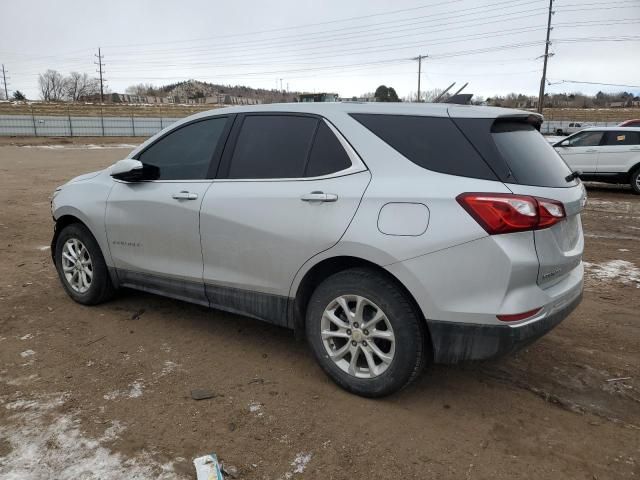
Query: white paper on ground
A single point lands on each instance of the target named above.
(208, 468)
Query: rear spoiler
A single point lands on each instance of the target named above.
(533, 119)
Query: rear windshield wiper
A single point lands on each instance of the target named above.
(572, 176)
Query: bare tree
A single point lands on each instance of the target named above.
(78, 85)
(51, 85)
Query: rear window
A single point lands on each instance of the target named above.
(434, 143)
(516, 151)
(532, 160)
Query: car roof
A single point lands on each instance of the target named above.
(617, 129)
(389, 108)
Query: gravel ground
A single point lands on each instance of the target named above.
(104, 392)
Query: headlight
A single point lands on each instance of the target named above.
(53, 196)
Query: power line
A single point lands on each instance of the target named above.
(593, 83)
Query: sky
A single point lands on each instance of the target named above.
(348, 47)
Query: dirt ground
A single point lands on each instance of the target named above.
(104, 392)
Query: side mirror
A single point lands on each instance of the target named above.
(131, 170)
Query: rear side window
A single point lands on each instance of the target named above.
(185, 153)
(272, 146)
(434, 143)
(532, 160)
(584, 139)
(516, 151)
(622, 138)
(327, 155)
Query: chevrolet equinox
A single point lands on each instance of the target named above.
(390, 235)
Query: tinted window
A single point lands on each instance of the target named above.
(532, 160)
(434, 143)
(585, 139)
(185, 154)
(327, 155)
(272, 146)
(622, 138)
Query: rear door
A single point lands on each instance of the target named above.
(581, 151)
(288, 187)
(618, 147)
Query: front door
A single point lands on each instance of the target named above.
(581, 151)
(153, 226)
(289, 187)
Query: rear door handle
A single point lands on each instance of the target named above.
(591, 151)
(319, 197)
(635, 149)
(184, 195)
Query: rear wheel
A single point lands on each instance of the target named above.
(365, 333)
(81, 267)
(635, 180)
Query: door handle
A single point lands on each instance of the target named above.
(184, 195)
(591, 151)
(635, 149)
(319, 197)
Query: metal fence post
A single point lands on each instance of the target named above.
(102, 119)
(69, 118)
(133, 125)
(33, 117)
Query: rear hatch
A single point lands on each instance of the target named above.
(528, 165)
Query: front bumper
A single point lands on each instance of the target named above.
(455, 342)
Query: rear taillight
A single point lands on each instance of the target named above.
(506, 213)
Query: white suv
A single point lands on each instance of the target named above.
(391, 235)
(605, 154)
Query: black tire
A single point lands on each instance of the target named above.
(559, 131)
(412, 350)
(635, 181)
(101, 288)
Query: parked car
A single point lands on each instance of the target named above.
(630, 123)
(604, 154)
(390, 235)
(573, 128)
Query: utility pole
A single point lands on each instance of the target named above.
(4, 78)
(419, 58)
(546, 57)
(100, 65)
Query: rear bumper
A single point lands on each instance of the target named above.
(454, 342)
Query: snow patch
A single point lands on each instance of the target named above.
(27, 353)
(44, 248)
(46, 444)
(134, 391)
(27, 336)
(614, 270)
(299, 464)
(256, 407)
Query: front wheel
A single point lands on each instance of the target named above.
(81, 266)
(365, 333)
(635, 180)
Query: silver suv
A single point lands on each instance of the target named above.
(391, 235)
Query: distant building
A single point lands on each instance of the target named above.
(318, 97)
(358, 99)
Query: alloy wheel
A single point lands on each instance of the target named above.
(358, 336)
(77, 265)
